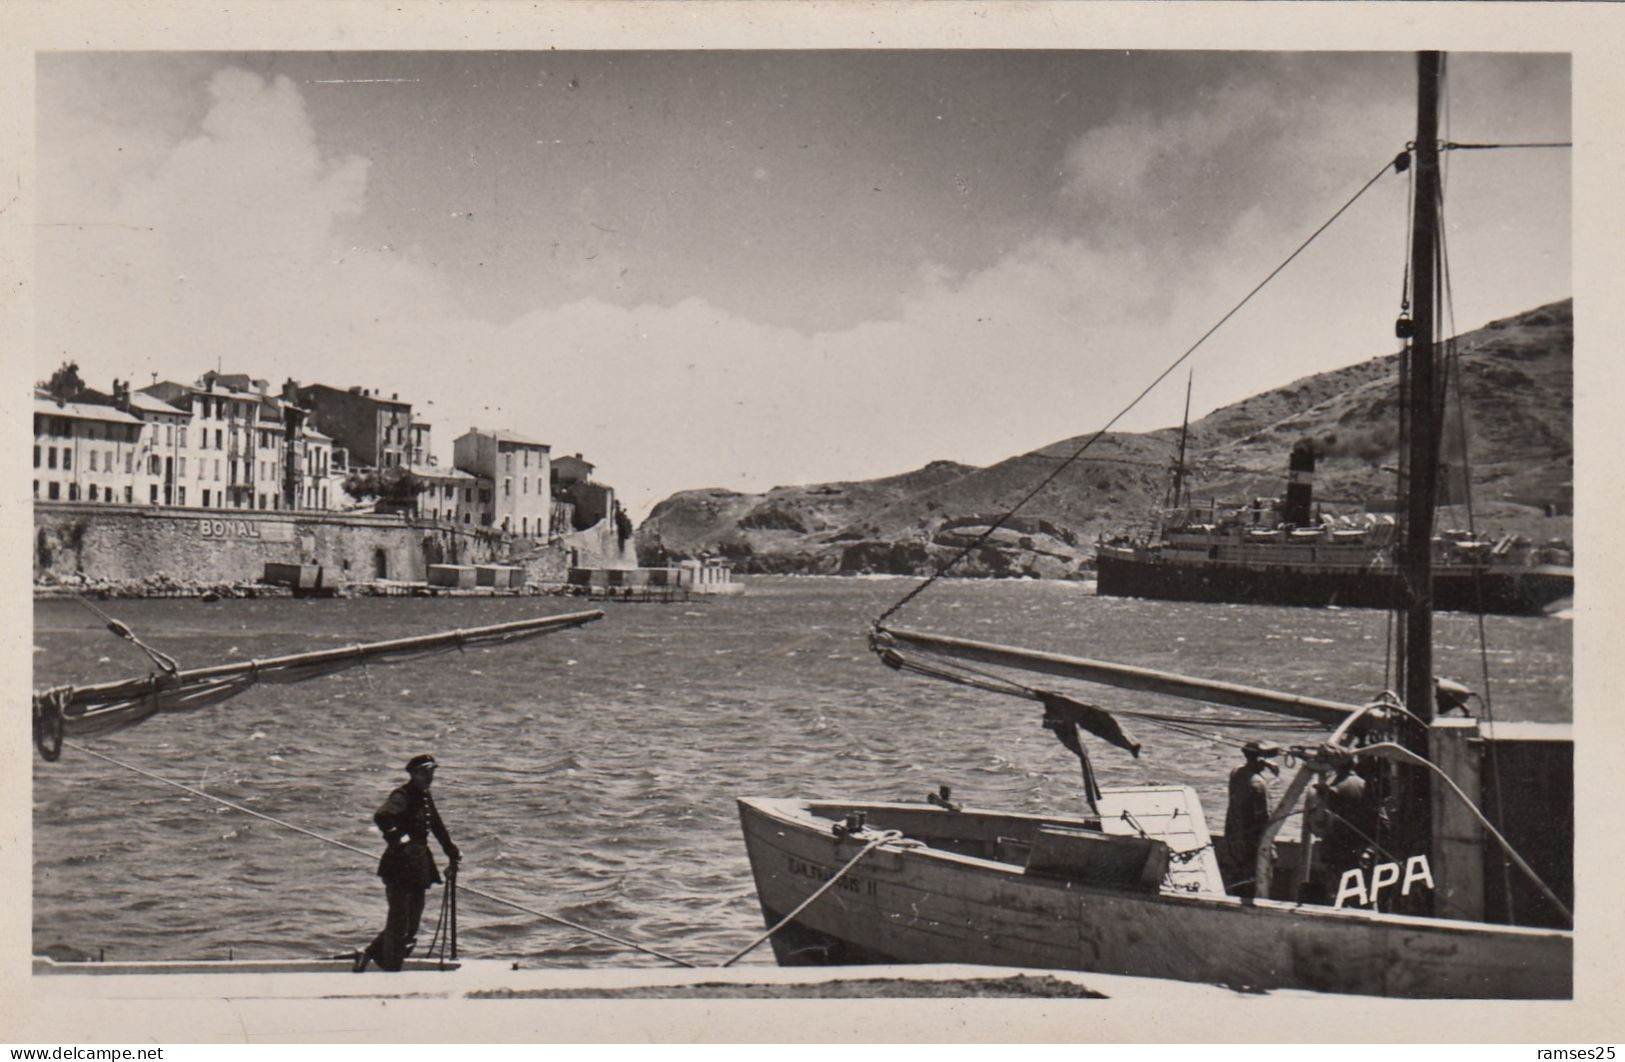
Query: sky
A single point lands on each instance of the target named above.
(746, 269)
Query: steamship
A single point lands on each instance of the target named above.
(1282, 552)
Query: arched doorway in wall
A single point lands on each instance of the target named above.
(380, 563)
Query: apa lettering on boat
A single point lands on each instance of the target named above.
(851, 883)
(230, 529)
(1383, 875)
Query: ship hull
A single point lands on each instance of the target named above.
(940, 903)
(1520, 592)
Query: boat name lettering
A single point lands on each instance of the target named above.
(851, 883)
(230, 529)
(1353, 887)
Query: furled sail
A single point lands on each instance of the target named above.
(103, 708)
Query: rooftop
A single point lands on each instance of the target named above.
(84, 411)
(149, 404)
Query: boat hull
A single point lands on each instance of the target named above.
(1520, 592)
(929, 905)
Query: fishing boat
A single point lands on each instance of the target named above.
(1281, 552)
(1442, 900)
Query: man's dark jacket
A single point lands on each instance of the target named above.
(410, 812)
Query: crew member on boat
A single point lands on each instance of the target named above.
(1345, 820)
(406, 819)
(1248, 814)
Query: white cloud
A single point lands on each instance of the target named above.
(236, 251)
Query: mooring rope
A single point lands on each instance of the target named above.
(884, 837)
(557, 919)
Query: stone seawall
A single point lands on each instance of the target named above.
(79, 542)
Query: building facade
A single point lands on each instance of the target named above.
(375, 431)
(88, 452)
(453, 496)
(520, 475)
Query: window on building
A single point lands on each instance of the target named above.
(152, 465)
(527, 458)
(507, 461)
(50, 457)
(180, 464)
(93, 460)
(152, 493)
(205, 497)
(217, 470)
(36, 488)
(507, 488)
(36, 459)
(67, 459)
(182, 434)
(73, 492)
(108, 455)
(129, 495)
(53, 490)
(217, 437)
(524, 483)
(169, 435)
(129, 461)
(93, 493)
(180, 495)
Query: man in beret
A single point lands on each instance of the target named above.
(1248, 814)
(406, 819)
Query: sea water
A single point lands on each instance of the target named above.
(593, 774)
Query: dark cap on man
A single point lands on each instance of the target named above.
(424, 761)
(1257, 750)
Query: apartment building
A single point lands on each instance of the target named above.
(519, 471)
(87, 452)
(375, 431)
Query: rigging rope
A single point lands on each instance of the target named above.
(1047, 480)
(1389, 748)
(1451, 146)
(1453, 361)
(165, 662)
(335, 842)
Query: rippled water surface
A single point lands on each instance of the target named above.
(593, 774)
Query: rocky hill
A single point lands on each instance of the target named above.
(1514, 415)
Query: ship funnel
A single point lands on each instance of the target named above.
(1300, 485)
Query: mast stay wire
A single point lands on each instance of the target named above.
(1454, 368)
(976, 543)
(335, 842)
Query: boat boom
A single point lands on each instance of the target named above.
(341, 655)
(1124, 676)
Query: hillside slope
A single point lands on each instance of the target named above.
(1516, 389)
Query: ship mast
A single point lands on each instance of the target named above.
(1184, 431)
(1420, 435)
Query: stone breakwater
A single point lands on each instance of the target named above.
(141, 551)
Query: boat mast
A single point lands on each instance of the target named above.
(1420, 431)
(1184, 431)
